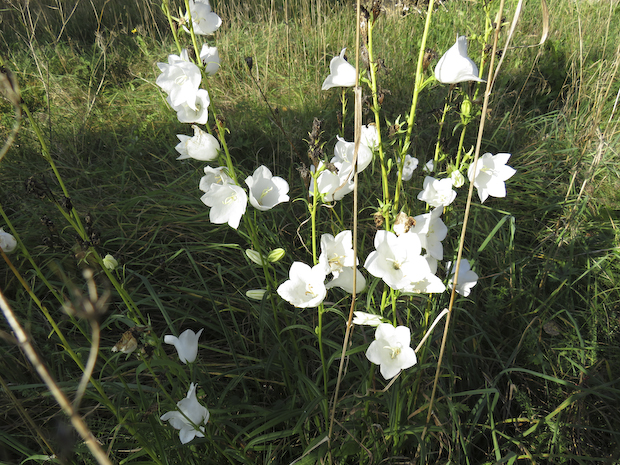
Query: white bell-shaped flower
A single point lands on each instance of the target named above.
(455, 66)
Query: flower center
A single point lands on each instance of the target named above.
(231, 199)
(180, 80)
(395, 263)
(265, 192)
(310, 290)
(395, 350)
(336, 262)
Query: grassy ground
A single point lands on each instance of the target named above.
(531, 371)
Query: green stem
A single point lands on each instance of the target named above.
(376, 108)
(173, 29)
(418, 79)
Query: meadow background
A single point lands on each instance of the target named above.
(532, 366)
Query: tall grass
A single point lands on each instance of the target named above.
(530, 374)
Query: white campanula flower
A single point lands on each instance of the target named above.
(466, 280)
(305, 287)
(397, 259)
(214, 177)
(199, 114)
(186, 344)
(228, 203)
(431, 230)
(409, 166)
(205, 22)
(391, 350)
(266, 190)
(336, 252)
(180, 79)
(109, 262)
(429, 166)
(370, 136)
(437, 192)
(429, 284)
(189, 415)
(344, 152)
(457, 178)
(455, 65)
(342, 73)
(7, 242)
(210, 57)
(344, 280)
(332, 185)
(366, 319)
(491, 172)
(202, 146)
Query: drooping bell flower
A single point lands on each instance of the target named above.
(455, 66)
(7, 242)
(342, 73)
(205, 21)
(202, 146)
(189, 416)
(186, 344)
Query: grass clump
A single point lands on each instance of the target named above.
(527, 367)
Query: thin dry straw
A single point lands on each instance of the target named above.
(485, 105)
(357, 138)
(37, 363)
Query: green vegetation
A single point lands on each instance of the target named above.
(530, 369)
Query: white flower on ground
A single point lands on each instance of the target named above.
(437, 192)
(491, 172)
(210, 57)
(7, 242)
(110, 262)
(343, 157)
(467, 279)
(180, 79)
(455, 65)
(336, 252)
(213, 177)
(186, 344)
(190, 412)
(344, 281)
(305, 287)
(204, 20)
(199, 114)
(342, 73)
(431, 230)
(366, 319)
(391, 350)
(409, 166)
(266, 190)
(202, 146)
(228, 203)
(397, 259)
(370, 136)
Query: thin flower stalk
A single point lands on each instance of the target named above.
(418, 83)
(376, 111)
(485, 105)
